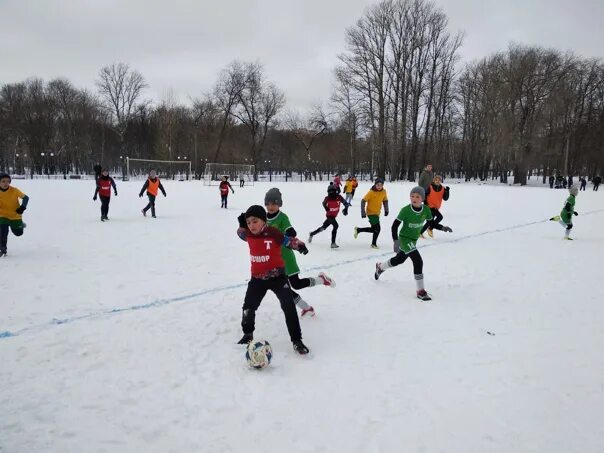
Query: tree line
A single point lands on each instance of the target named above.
(400, 99)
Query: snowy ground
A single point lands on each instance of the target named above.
(119, 336)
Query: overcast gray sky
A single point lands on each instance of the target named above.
(182, 44)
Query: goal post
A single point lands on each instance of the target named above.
(213, 173)
(169, 169)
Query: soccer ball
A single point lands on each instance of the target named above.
(258, 354)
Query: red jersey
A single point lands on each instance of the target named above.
(104, 186)
(265, 252)
(224, 187)
(332, 205)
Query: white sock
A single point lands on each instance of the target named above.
(313, 281)
(385, 265)
(419, 281)
(301, 303)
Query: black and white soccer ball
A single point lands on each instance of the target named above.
(259, 354)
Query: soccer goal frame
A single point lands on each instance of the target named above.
(186, 163)
(214, 171)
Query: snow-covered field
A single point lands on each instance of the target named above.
(120, 336)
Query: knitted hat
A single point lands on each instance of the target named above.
(273, 196)
(256, 211)
(420, 191)
(574, 190)
(5, 175)
(379, 181)
(332, 189)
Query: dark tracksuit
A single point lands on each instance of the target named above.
(103, 190)
(331, 204)
(434, 224)
(151, 196)
(596, 181)
(224, 193)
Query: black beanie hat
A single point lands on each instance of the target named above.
(273, 196)
(5, 175)
(256, 211)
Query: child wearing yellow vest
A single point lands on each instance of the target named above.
(373, 200)
(10, 211)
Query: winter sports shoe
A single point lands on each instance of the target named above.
(356, 233)
(423, 295)
(246, 338)
(300, 347)
(374, 246)
(334, 245)
(144, 212)
(447, 229)
(566, 238)
(309, 238)
(310, 311)
(326, 280)
(430, 232)
(378, 271)
(555, 218)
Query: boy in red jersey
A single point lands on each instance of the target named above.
(268, 273)
(103, 189)
(331, 203)
(224, 187)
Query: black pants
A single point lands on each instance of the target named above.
(328, 221)
(375, 229)
(596, 187)
(151, 204)
(241, 182)
(401, 257)
(298, 283)
(223, 201)
(435, 222)
(104, 205)
(256, 290)
(4, 235)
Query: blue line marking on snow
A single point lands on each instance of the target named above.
(218, 289)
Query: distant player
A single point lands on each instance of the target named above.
(331, 204)
(434, 197)
(224, 187)
(276, 218)
(152, 185)
(412, 218)
(268, 273)
(104, 184)
(566, 215)
(11, 211)
(373, 200)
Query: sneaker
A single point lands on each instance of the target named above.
(300, 347)
(378, 271)
(102, 218)
(430, 233)
(246, 338)
(556, 218)
(2, 253)
(144, 212)
(423, 295)
(334, 245)
(567, 238)
(154, 216)
(309, 238)
(310, 311)
(447, 229)
(356, 233)
(326, 280)
(374, 246)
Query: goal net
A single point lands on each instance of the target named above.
(213, 173)
(166, 169)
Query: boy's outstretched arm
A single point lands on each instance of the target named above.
(395, 226)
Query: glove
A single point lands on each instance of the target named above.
(232, 191)
(140, 195)
(396, 246)
(20, 209)
(363, 214)
(302, 248)
(94, 198)
(446, 229)
(345, 211)
(115, 193)
(386, 212)
(575, 213)
(241, 220)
